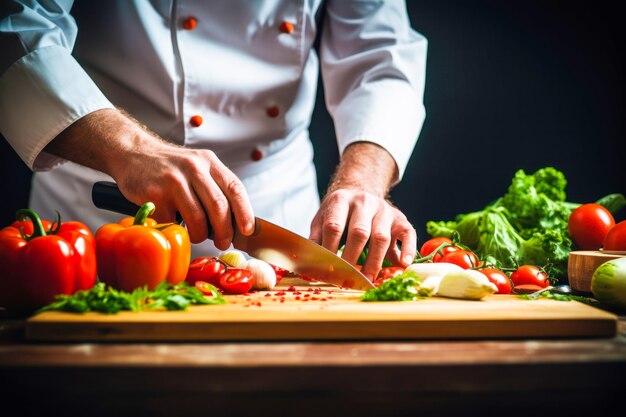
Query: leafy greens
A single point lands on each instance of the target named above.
(105, 299)
(527, 225)
(402, 287)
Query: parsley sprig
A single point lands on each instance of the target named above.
(403, 287)
(106, 299)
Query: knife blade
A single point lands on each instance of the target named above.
(269, 242)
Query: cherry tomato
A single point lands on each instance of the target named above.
(430, 245)
(589, 224)
(445, 251)
(206, 287)
(208, 269)
(463, 258)
(616, 237)
(529, 275)
(499, 278)
(236, 280)
(386, 273)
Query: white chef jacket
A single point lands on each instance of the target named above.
(247, 68)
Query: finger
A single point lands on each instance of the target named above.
(316, 229)
(404, 232)
(359, 229)
(236, 195)
(335, 215)
(192, 212)
(217, 207)
(393, 253)
(378, 243)
(164, 213)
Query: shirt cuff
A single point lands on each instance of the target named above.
(386, 113)
(40, 95)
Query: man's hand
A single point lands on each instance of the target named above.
(193, 182)
(356, 202)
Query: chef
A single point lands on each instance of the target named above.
(203, 108)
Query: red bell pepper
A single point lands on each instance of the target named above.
(39, 262)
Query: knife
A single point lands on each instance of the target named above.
(269, 242)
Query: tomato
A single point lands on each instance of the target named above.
(236, 280)
(499, 278)
(529, 275)
(527, 289)
(616, 237)
(589, 224)
(463, 258)
(208, 269)
(386, 273)
(430, 245)
(445, 251)
(206, 288)
(280, 272)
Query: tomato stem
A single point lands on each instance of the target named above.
(38, 229)
(142, 214)
(432, 254)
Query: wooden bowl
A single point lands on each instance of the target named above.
(582, 264)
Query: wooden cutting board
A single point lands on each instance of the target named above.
(317, 312)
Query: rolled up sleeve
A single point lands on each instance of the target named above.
(373, 70)
(43, 89)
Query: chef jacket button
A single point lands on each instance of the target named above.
(286, 27)
(272, 111)
(256, 155)
(195, 121)
(190, 23)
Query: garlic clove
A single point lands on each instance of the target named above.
(263, 273)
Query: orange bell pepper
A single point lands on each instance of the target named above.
(138, 252)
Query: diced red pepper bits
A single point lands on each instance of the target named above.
(291, 288)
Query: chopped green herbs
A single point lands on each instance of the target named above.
(553, 295)
(403, 287)
(105, 299)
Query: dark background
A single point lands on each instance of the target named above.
(509, 85)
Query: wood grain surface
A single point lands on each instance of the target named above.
(316, 312)
(582, 264)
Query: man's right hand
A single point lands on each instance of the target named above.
(193, 182)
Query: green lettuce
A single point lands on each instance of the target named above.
(527, 225)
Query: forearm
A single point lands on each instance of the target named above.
(103, 140)
(191, 182)
(366, 167)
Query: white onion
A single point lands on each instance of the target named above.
(234, 258)
(467, 284)
(436, 269)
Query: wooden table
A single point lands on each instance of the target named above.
(487, 377)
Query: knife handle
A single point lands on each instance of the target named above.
(107, 196)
